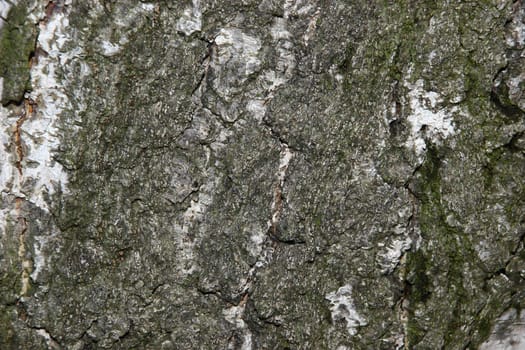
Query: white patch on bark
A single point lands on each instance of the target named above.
(516, 91)
(41, 175)
(286, 58)
(6, 166)
(238, 46)
(109, 49)
(428, 120)
(257, 109)
(284, 67)
(431, 56)
(4, 11)
(343, 308)
(484, 250)
(28, 170)
(7, 212)
(49, 340)
(389, 259)
(234, 316)
(235, 59)
(400, 341)
(296, 8)
(284, 161)
(40, 131)
(148, 7)
(191, 20)
(508, 332)
(257, 238)
(311, 27)
(515, 36)
(39, 260)
(5, 6)
(237, 51)
(279, 31)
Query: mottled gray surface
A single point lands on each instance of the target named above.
(276, 174)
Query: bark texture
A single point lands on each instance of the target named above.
(275, 174)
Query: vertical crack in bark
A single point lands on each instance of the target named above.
(28, 107)
(18, 142)
(258, 108)
(27, 111)
(277, 204)
(235, 313)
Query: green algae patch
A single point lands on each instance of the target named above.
(17, 43)
(441, 262)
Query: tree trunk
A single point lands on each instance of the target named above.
(275, 174)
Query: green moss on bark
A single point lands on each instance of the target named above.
(17, 42)
(451, 251)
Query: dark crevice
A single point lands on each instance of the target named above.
(127, 333)
(185, 199)
(520, 243)
(290, 241)
(499, 73)
(474, 320)
(199, 84)
(273, 233)
(227, 124)
(502, 271)
(511, 145)
(276, 134)
(217, 294)
(205, 63)
(409, 184)
(509, 110)
(269, 321)
(468, 345)
(20, 103)
(156, 288)
(206, 40)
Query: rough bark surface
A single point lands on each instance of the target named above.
(275, 174)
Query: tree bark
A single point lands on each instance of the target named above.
(275, 174)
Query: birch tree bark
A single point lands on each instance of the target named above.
(275, 174)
